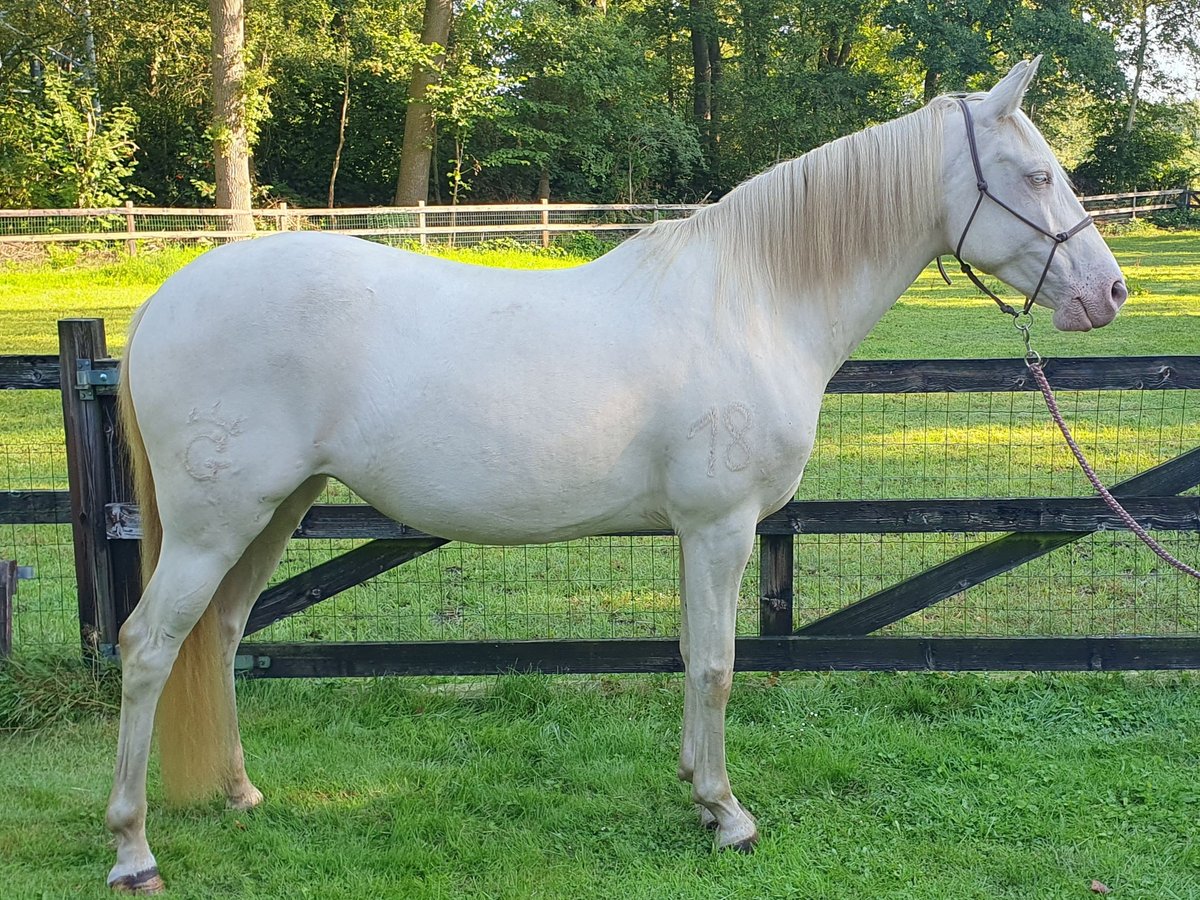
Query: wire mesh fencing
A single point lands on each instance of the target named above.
(869, 447)
(899, 446)
(537, 223)
(455, 225)
(33, 458)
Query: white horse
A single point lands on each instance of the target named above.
(674, 383)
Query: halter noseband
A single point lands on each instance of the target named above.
(1060, 238)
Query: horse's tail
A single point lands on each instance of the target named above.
(194, 717)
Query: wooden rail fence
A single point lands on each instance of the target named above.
(106, 529)
(423, 224)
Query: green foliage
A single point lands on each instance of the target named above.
(583, 243)
(1179, 220)
(589, 102)
(57, 152)
(1160, 152)
(804, 84)
(587, 107)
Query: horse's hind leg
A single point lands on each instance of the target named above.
(234, 600)
(198, 726)
(180, 590)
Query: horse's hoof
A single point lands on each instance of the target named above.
(244, 800)
(743, 846)
(148, 881)
(740, 835)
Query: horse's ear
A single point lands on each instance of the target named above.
(1005, 98)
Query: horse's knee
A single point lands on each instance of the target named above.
(713, 680)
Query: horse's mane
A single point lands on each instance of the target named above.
(813, 220)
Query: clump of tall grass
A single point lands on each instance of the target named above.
(41, 691)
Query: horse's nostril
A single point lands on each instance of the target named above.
(1119, 292)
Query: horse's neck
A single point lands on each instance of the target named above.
(831, 322)
(823, 323)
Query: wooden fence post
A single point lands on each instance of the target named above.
(545, 222)
(8, 590)
(125, 557)
(131, 228)
(421, 222)
(776, 559)
(80, 342)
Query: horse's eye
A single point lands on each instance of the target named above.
(1039, 179)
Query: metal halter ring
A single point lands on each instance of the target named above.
(1032, 357)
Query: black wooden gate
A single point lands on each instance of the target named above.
(106, 529)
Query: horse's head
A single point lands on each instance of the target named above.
(1010, 210)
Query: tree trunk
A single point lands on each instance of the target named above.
(337, 155)
(701, 69)
(931, 84)
(413, 182)
(543, 192)
(669, 30)
(714, 106)
(702, 75)
(1139, 64)
(231, 144)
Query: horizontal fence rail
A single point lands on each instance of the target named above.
(107, 528)
(422, 224)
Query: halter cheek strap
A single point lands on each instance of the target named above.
(981, 184)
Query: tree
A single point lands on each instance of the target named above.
(412, 185)
(601, 130)
(950, 42)
(57, 153)
(230, 136)
(707, 69)
(1148, 31)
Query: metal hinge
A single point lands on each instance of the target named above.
(247, 662)
(242, 663)
(88, 380)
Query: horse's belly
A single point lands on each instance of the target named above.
(464, 497)
(469, 466)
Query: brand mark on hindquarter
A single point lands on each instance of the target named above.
(737, 420)
(203, 457)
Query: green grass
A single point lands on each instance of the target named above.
(865, 786)
(921, 787)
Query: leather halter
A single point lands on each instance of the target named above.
(1060, 238)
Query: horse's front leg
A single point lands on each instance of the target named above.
(716, 558)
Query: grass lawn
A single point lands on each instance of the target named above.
(865, 786)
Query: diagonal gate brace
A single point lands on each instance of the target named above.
(995, 558)
(338, 574)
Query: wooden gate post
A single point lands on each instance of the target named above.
(80, 342)
(8, 590)
(125, 557)
(776, 558)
